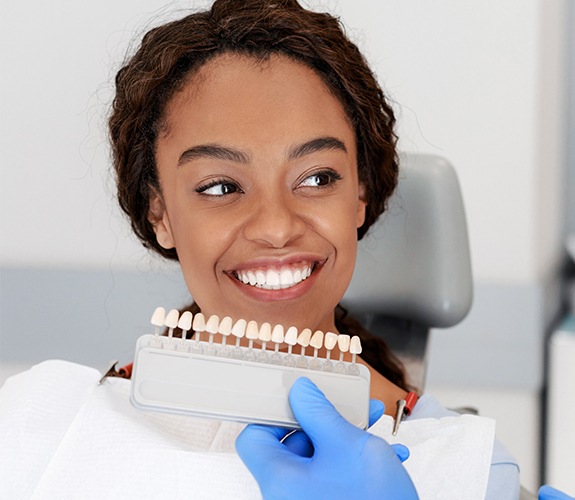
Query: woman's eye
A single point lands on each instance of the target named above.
(218, 188)
(320, 179)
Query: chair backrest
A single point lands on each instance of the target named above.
(414, 263)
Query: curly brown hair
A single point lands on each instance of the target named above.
(170, 54)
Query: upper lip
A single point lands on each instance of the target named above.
(276, 264)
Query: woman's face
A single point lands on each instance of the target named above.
(259, 191)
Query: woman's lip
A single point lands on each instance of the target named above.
(265, 295)
(276, 263)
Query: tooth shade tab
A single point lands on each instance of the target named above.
(304, 337)
(355, 345)
(239, 329)
(171, 320)
(291, 336)
(330, 340)
(199, 324)
(343, 342)
(278, 334)
(317, 340)
(185, 321)
(212, 324)
(265, 332)
(158, 317)
(252, 332)
(225, 327)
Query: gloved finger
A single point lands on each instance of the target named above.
(401, 451)
(317, 416)
(376, 410)
(260, 447)
(549, 493)
(299, 443)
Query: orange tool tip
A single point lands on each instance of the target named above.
(410, 402)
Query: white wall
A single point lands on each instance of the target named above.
(479, 82)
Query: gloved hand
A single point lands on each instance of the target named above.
(548, 493)
(342, 461)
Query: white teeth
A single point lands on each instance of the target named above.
(260, 278)
(297, 276)
(274, 279)
(286, 278)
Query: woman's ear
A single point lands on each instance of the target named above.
(361, 205)
(158, 217)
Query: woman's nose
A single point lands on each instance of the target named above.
(274, 221)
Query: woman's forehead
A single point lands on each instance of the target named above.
(243, 94)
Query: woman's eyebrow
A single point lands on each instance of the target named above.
(218, 152)
(213, 151)
(319, 144)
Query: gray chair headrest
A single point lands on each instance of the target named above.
(414, 263)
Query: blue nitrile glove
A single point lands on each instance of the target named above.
(299, 443)
(347, 462)
(548, 493)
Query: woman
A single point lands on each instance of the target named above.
(253, 144)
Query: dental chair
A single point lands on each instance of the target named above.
(413, 269)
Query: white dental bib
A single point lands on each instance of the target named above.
(63, 436)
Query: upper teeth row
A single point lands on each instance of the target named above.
(274, 280)
(251, 330)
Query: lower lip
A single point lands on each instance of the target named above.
(291, 293)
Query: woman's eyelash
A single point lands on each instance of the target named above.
(331, 175)
(227, 187)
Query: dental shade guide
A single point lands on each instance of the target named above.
(198, 325)
(303, 340)
(225, 330)
(250, 384)
(158, 319)
(330, 341)
(343, 342)
(184, 324)
(291, 340)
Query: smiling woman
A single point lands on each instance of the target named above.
(257, 158)
(253, 144)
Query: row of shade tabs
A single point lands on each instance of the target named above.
(265, 343)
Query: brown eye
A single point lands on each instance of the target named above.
(218, 188)
(321, 179)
